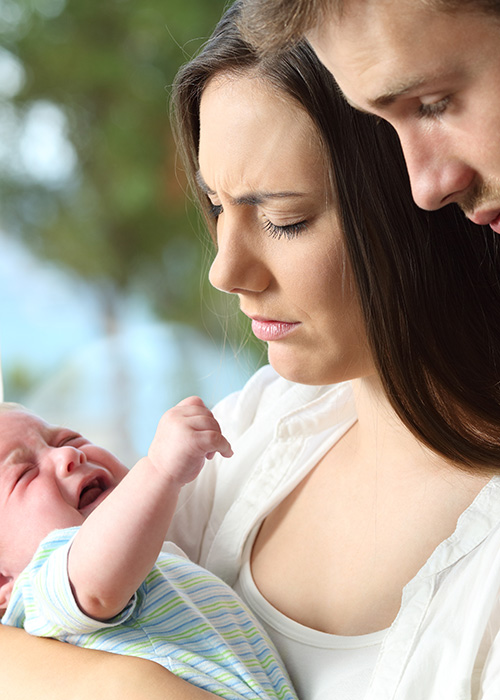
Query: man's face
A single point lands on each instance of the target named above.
(435, 76)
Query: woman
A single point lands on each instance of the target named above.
(337, 496)
(338, 500)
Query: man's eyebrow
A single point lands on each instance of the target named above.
(388, 98)
(403, 88)
(252, 197)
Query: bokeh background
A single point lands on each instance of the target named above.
(106, 316)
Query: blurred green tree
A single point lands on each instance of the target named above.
(88, 175)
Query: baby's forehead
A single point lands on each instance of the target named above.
(17, 414)
(21, 430)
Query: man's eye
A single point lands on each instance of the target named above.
(429, 110)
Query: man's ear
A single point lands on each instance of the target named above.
(6, 586)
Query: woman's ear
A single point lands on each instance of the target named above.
(6, 586)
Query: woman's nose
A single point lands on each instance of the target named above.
(66, 459)
(239, 266)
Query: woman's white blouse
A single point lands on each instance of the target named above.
(445, 642)
(321, 666)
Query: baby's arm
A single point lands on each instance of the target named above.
(118, 544)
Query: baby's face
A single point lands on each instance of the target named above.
(50, 478)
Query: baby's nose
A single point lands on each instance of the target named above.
(67, 459)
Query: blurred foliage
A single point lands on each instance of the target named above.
(19, 381)
(114, 209)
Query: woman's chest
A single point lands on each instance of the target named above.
(336, 554)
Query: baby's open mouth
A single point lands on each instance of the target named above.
(90, 493)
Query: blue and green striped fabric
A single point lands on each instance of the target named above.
(182, 617)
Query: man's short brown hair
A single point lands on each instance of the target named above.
(273, 24)
(270, 25)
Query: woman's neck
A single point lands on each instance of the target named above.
(336, 553)
(380, 439)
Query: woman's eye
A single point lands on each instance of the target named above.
(288, 231)
(215, 210)
(428, 110)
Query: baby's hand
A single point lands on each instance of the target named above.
(187, 434)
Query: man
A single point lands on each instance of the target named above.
(429, 67)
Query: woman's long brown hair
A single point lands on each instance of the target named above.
(428, 282)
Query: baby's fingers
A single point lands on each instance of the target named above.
(223, 448)
(211, 441)
(192, 401)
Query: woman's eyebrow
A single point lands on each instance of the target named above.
(202, 184)
(252, 197)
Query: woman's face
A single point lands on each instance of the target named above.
(279, 244)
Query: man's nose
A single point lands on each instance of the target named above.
(239, 265)
(437, 176)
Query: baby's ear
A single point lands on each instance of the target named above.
(6, 586)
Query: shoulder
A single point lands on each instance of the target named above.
(54, 547)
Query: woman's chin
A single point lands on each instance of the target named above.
(299, 372)
(316, 371)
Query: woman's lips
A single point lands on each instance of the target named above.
(272, 330)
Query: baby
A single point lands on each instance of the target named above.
(80, 541)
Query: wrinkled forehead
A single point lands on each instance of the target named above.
(381, 49)
(340, 8)
(369, 15)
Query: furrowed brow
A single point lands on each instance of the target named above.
(17, 454)
(260, 197)
(252, 198)
(202, 184)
